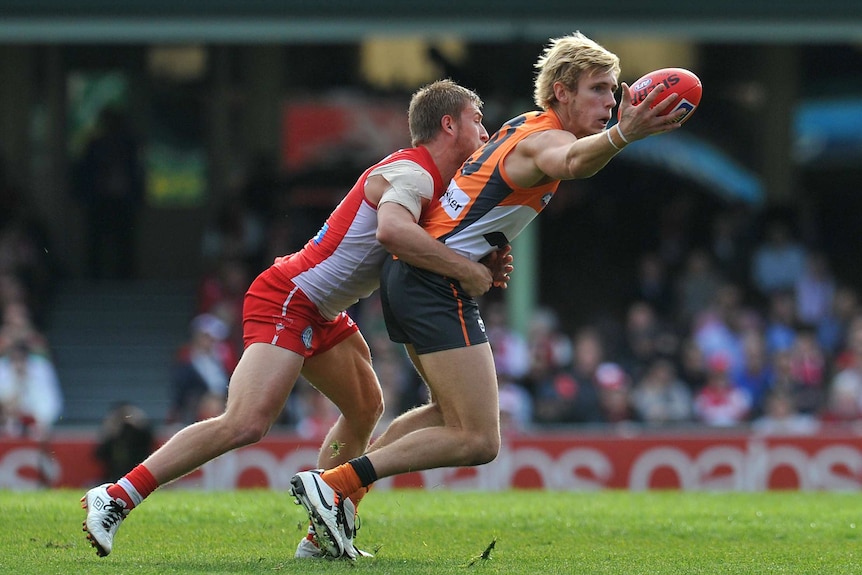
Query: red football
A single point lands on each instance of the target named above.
(676, 81)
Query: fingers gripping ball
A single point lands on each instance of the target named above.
(676, 81)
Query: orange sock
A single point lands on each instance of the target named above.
(357, 495)
(343, 479)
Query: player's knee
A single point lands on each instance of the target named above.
(244, 432)
(372, 405)
(253, 432)
(484, 448)
(366, 408)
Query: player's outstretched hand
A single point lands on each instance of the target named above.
(647, 119)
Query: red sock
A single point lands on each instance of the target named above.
(311, 535)
(134, 487)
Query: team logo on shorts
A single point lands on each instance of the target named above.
(482, 325)
(307, 334)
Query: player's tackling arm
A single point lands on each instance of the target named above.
(399, 233)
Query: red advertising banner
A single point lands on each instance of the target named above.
(335, 131)
(726, 462)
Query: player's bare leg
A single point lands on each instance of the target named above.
(345, 375)
(428, 415)
(258, 389)
(464, 386)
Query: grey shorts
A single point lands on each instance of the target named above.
(427, 310)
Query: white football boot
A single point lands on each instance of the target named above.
(308, 547)
(347, 527)
(324, 508)
(104, 516)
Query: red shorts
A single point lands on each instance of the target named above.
(277, 312)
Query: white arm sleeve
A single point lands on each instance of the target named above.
(408, 182)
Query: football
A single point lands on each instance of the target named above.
(676, 81)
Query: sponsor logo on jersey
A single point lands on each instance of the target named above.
(454, 200)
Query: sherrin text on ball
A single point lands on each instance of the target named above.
(676, 81)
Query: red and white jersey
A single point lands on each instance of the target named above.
(341, 264)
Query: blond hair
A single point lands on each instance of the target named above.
(565, 60)
(430, 103)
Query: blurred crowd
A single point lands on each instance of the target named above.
(775, 347)
(711, 335)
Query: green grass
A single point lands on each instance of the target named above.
(441, 532)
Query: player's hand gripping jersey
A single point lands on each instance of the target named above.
(341, 264)
(482, 209)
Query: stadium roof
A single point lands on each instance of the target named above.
(259, 21)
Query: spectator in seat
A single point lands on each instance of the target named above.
(782, 418)
(31, 399)
(572, 395)
(844, 403)
(653, 284)
(720, 403)
(809, 368)
(755, 374)
(17, 326)
(781, 324)
(202, 370)
(832, 328)
(660, 397)
(222, 292)
(614, 386)
(640, 338)
(511, 354)
(549, 348)
(692, 365)
(815, 290)
(125, 437)
(696, 286)
(778, 261)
